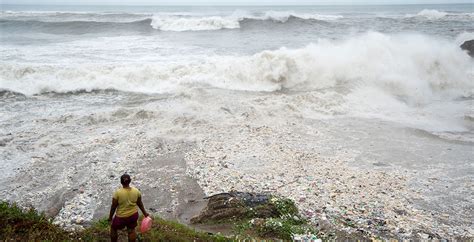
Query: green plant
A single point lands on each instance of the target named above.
(284, 206)
(29, 225)
(283, 228)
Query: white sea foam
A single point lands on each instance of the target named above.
(283, 16)
(410, 66)
(174, 23)
(461, 38)
(195, 23)
(432, 14)
(412, 79)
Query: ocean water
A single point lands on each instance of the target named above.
(381, 84)
(398, 63)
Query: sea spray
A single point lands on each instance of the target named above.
(414, 67)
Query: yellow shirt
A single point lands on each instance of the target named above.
(127, 201)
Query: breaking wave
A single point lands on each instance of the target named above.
(409, 66)
(175, 23)
(171, 23)
(284, 16)
(178, 21)
(417, 80)
(433, 14)
(159, 21)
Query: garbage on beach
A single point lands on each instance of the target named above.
(306, 238)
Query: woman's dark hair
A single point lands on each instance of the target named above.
(125, 179)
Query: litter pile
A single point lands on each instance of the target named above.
(326, 191)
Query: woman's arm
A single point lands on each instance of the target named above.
(113, 207)
(140, 205)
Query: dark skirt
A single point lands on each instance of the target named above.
(129, 222)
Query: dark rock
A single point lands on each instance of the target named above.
(469, 47)
(251, 199)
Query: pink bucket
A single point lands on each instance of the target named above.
(146, 225)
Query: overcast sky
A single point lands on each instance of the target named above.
(226, 2)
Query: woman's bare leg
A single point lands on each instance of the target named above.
(132, 235)
(113, 235)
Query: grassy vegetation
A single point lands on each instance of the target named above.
(29, 225)
(21, 224)
(286, 223)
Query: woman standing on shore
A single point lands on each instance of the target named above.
(124, 205)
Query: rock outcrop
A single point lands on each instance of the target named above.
(236, 206)
(469, 47)
(265, 215)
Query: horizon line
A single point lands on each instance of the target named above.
(230, 5)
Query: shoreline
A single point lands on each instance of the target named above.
(73, 158)
(327, 217)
